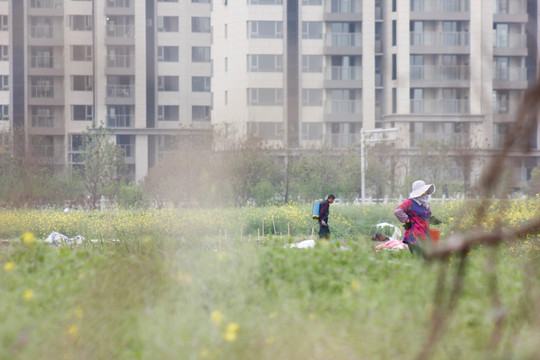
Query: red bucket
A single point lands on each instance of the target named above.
(435, 234)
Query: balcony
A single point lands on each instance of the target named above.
(440, 106)
(120, 91)
(509, 44)
(120, 121)
(343, 77)
(129, 151)
(343, 10)
(46, 65)
(120, 64)
(510, 11)
(453, 140)
(433, 75)
(53, 153)
(46, 125)
(43, 35)
(119, 7)
(439, 9)
(46, 7)
(446, 42)
(343, 44)
(120, 34)
(46, 95)
(510, 78)
(344, 140)
(343, 110)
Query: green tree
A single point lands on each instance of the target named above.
(315, 175)
(103, 162)
(533, 185)
(250, 164)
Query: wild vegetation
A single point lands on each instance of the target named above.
(207, 284)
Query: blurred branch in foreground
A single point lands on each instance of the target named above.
(458, 245)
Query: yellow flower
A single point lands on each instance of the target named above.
(78, 312)
(222, 256)
(231, 332)
(73, 331)
(28, 238)
(216, 317)
(270, 340)
(205, 354)
(28, 294)
(183, 278)
(10, 265)
(355, 284)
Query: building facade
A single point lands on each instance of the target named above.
(140, 68)
(315, 72)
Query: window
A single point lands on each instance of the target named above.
(265, 96)
(42, 116)
(4, 112)
(118, 3)
(265, 2)
(80, 22)
(226, 65)
(167, 23)
(265, 29)
(42, 87)
(311, 30)
(168, 113)
(81, 53)
(264, 63)
(312, 97)
(311, 2)
(168, 53)
(501, 102)
(266, 130)
(394, 100)
(200, 83)
(501, 7)
(200, 24)
(200, 54)
(312, 63)
(200, 113)
(82, 112)
(4, 53)
(82, 83)
(394, 67)
(417, 67)
(119, 56)
(312, 131)
(167, 83)
(120, 116)
(4, 82)
(394, 33)
(4, 23)
(501, 35)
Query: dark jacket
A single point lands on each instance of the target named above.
(324, 211)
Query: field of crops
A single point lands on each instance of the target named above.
(222, 284)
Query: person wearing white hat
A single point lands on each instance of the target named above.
(415, 214)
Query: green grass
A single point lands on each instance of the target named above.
(153, 297)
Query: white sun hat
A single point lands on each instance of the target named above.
(419, 187)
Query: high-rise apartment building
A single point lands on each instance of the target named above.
(303, 73)
(141, 68)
